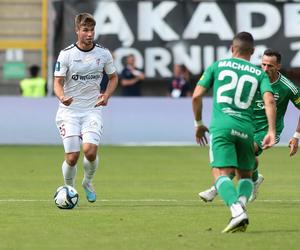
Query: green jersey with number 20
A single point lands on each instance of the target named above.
(235, 82)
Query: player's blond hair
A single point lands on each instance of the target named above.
(84, 19)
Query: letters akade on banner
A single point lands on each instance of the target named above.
(160, 33)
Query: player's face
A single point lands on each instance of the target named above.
(86, 35)
(270, 65)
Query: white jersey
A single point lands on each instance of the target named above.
(83, 72)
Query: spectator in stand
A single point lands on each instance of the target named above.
(131, 78)
(33, 86)
(179, 85)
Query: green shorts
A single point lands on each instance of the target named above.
(232, 148)
(258, 139)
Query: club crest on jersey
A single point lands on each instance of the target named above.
(98, 61)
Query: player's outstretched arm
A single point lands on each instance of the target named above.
(270, 108)
(294, 141)
(201, 129)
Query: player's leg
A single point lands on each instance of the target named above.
(90, 164)
(228, 192)
(68, 125)
(223, 157)
(244, 186)
(210, 194)
(69, 166)
(91, 135)
(246, 162)
(257, 178)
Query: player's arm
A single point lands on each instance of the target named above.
(59, 91)
(294, 141)
(111, 86)
(270, 109)
(197, 110)
(295, 99)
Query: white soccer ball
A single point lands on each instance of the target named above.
(66, 197)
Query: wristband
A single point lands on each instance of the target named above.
(200, 123)
(296, 135)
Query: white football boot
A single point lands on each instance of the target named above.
(258, 182)
(239, 220)
(208, 195)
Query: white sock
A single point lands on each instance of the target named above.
(89, 168)
(236, 209)
(243, 200)
(69, 173)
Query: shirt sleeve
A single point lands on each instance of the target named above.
(265, 85)
(295, 95)
(207, 78)
(61, 66)
(109, 66)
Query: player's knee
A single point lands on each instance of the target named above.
(72, 158)
(90, 151)
(90, 155)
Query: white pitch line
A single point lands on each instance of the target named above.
(145, 200)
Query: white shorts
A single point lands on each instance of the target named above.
(86, 125)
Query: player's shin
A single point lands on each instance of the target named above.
(255, 172)
(69, 173)
(90, 168)
(226, 190)
(244, 189)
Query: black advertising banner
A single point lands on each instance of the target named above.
(193, 33)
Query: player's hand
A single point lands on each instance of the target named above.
(66, 100)
(293, 145)
(200, 135)
(269, 140)
(102, 100)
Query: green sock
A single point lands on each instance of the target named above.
(226, 190)
(245, 188)
(255, 174)
(255, 171)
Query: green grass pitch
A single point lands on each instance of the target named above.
(147, 199)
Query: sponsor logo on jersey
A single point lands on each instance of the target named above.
(86, 77)
(239, 134)
(78, 60)
(57, 66)
(230, 111)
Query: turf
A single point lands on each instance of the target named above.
(147, 199)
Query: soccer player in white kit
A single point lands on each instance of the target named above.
(78, 73)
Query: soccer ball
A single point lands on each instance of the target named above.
(66, 197)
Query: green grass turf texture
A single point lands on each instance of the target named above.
(147, 199)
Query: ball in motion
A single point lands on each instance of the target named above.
(66, 197)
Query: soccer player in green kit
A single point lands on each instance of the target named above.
(284, 91)
(235, 82)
